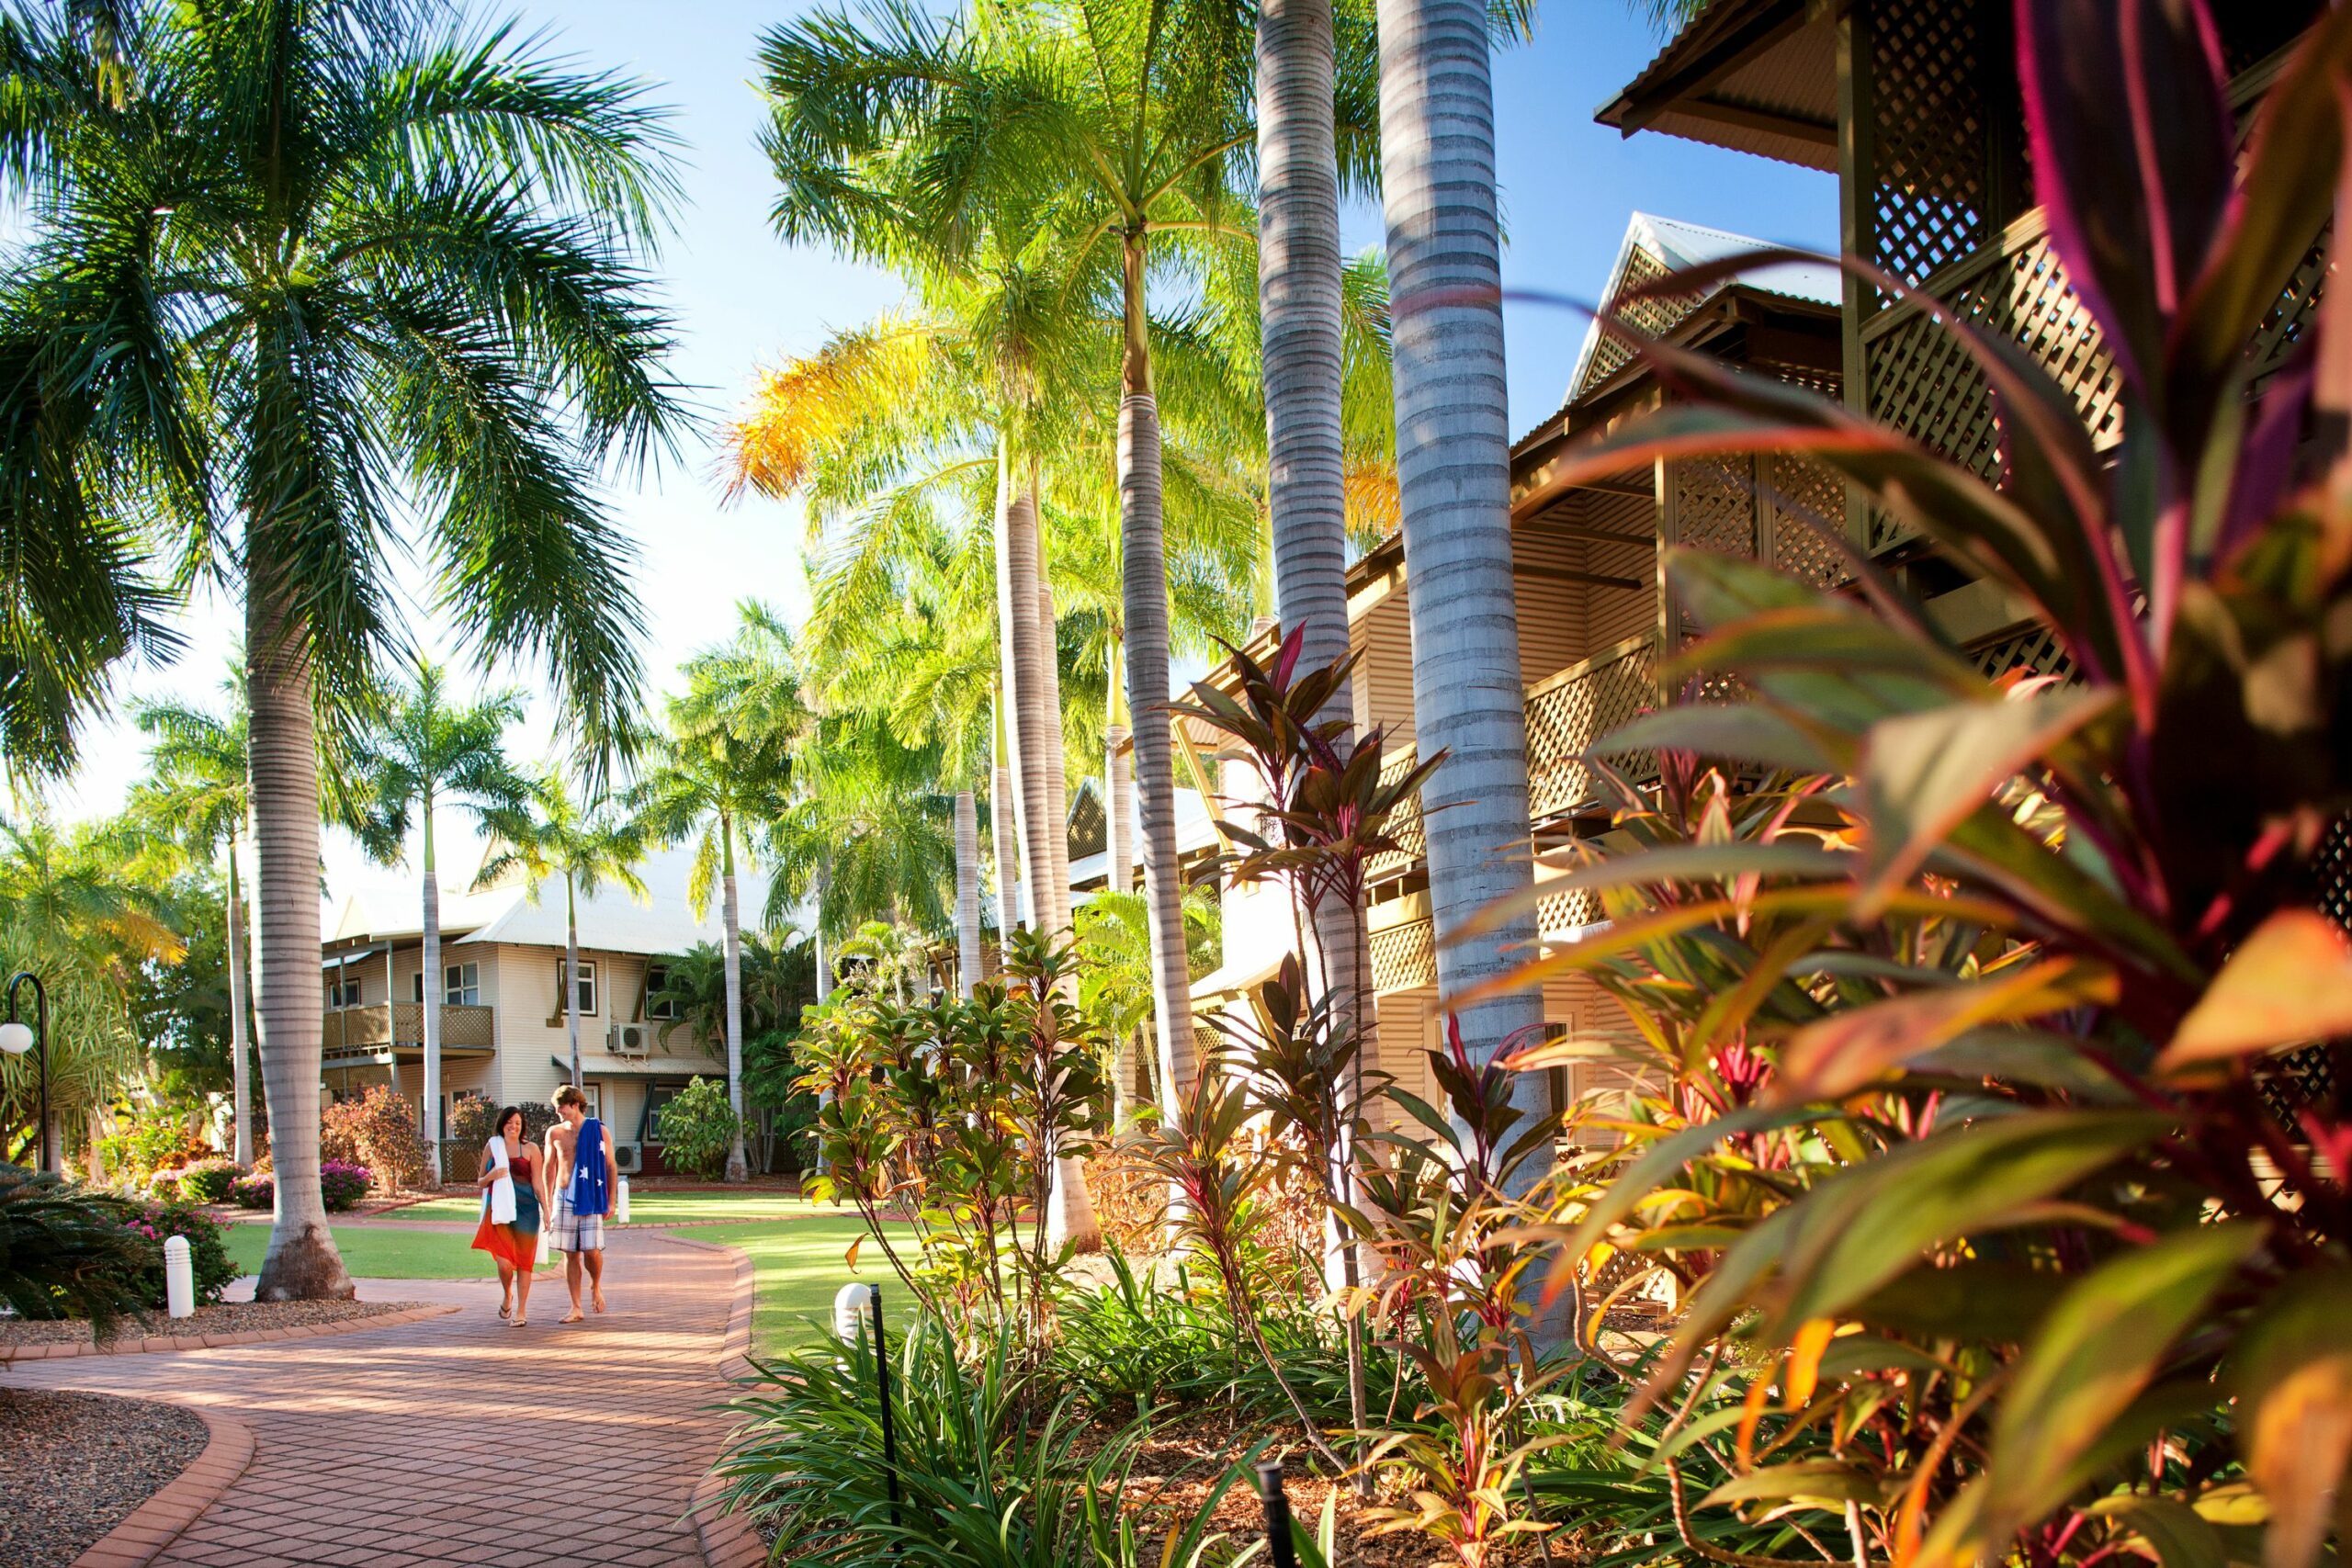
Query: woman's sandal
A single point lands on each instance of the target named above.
(506, 1309)
(518, 1323)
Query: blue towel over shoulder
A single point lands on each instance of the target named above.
(589, 1175)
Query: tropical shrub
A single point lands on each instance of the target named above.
(208, 1180)
(342, 1184)
(2007, 1241)
(65, 1252)
(379, 1131)
(994, 1467)
(207, 1250)
(948, 1117)
(165, 1186)
(257, 1190)
(697, 1129)
(142, 1145)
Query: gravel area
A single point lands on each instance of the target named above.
(228, 1317)
(79, 1465)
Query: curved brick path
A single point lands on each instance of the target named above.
(459, 1439)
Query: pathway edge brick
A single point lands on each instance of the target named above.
(181, 1501)
(727, 1541)
(155, 1345)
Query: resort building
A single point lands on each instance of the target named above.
(503, 1032)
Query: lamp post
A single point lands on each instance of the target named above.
(16, 1040)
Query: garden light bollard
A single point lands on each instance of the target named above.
(621, 1202)
(1279, 1549)
(179, 1278)
(849, 1310)
(16, 1040)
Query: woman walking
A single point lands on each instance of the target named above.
(514, 1196)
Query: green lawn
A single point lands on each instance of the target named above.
(796, 1268)
(651, 1208)
(380, 1252)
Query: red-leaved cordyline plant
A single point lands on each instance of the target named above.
(2051, 1264)
(1326, 812)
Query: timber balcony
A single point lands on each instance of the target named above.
(366, 1030)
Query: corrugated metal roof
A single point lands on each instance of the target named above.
(1752, 76)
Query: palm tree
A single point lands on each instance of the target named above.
(552, 833)
(301, 259)
(728, 766)
(1454, 485)
(423, 752)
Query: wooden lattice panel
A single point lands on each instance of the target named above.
(1929, 176)
(1404, 957)
(1714, 504)
(1566, 911)
(1404, 825)
(1568, 714)
(1656, 316)
(2307, 1077)
(2038, 650)
(1807, 501)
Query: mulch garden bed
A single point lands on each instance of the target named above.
(81, 1463)
(227, 1317)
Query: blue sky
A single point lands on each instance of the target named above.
(743, 298)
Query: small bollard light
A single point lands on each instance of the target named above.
(620, 1203)
(179, 1278)
(849, 1310)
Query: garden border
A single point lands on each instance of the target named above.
(727, 1541)
(179, 1502)
(155, 1344)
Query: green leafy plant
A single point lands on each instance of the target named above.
(1998, 1221)
(208, 1180)
(377, 1130)
(698, 1127)
(68, 1253)
(209, 1261)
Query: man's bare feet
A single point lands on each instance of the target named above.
(598, 1296)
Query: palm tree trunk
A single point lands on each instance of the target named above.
(302, 1263)
(1298, 302)
(432, 989)
(1144, 600)
(1454, 478)
(1012, 684)
(967, 893)
(738, 1163)
(241, 1087)
(1003, 808)
(1118, 785)
(571, 976)
(1057, 775)
(1035, 691)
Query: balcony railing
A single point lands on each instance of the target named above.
(366, 1027)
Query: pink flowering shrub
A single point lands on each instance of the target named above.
(208, 1249)
(208, 1180)
(342, 1183)
(257, 1191)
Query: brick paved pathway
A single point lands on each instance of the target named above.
(459, 1439)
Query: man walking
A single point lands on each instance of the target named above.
(580, 1172)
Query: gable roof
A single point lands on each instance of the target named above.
(611, 920)
(1753, 76)
(1654, 247)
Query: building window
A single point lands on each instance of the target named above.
(649, 1128)
(461, 986)
(657, 1006)
(343, 993)
(584, 976)
(416, 986)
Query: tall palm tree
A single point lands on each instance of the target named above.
(553, 832)
(421, 752)
(308, 256)
(1453, 486)
(727, 768)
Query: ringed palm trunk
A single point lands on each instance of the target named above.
(1143, 592)
(1298, 302)
(967, 893)
(1035, 695)
(739, 1167)
(1056, 773)
(1437, 151)
(1011, 611)
(302, 1263)
(571, 976)
(1004, 807)
(433, 982)
(240, 1066)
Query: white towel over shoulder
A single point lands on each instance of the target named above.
(502, 1192)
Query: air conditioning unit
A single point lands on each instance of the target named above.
(629, 1159)
(631, 1039)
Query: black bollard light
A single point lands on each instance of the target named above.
(882, 1384)
(1279, 1549)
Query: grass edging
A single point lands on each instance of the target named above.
(727, 1540)
(156, 1344)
